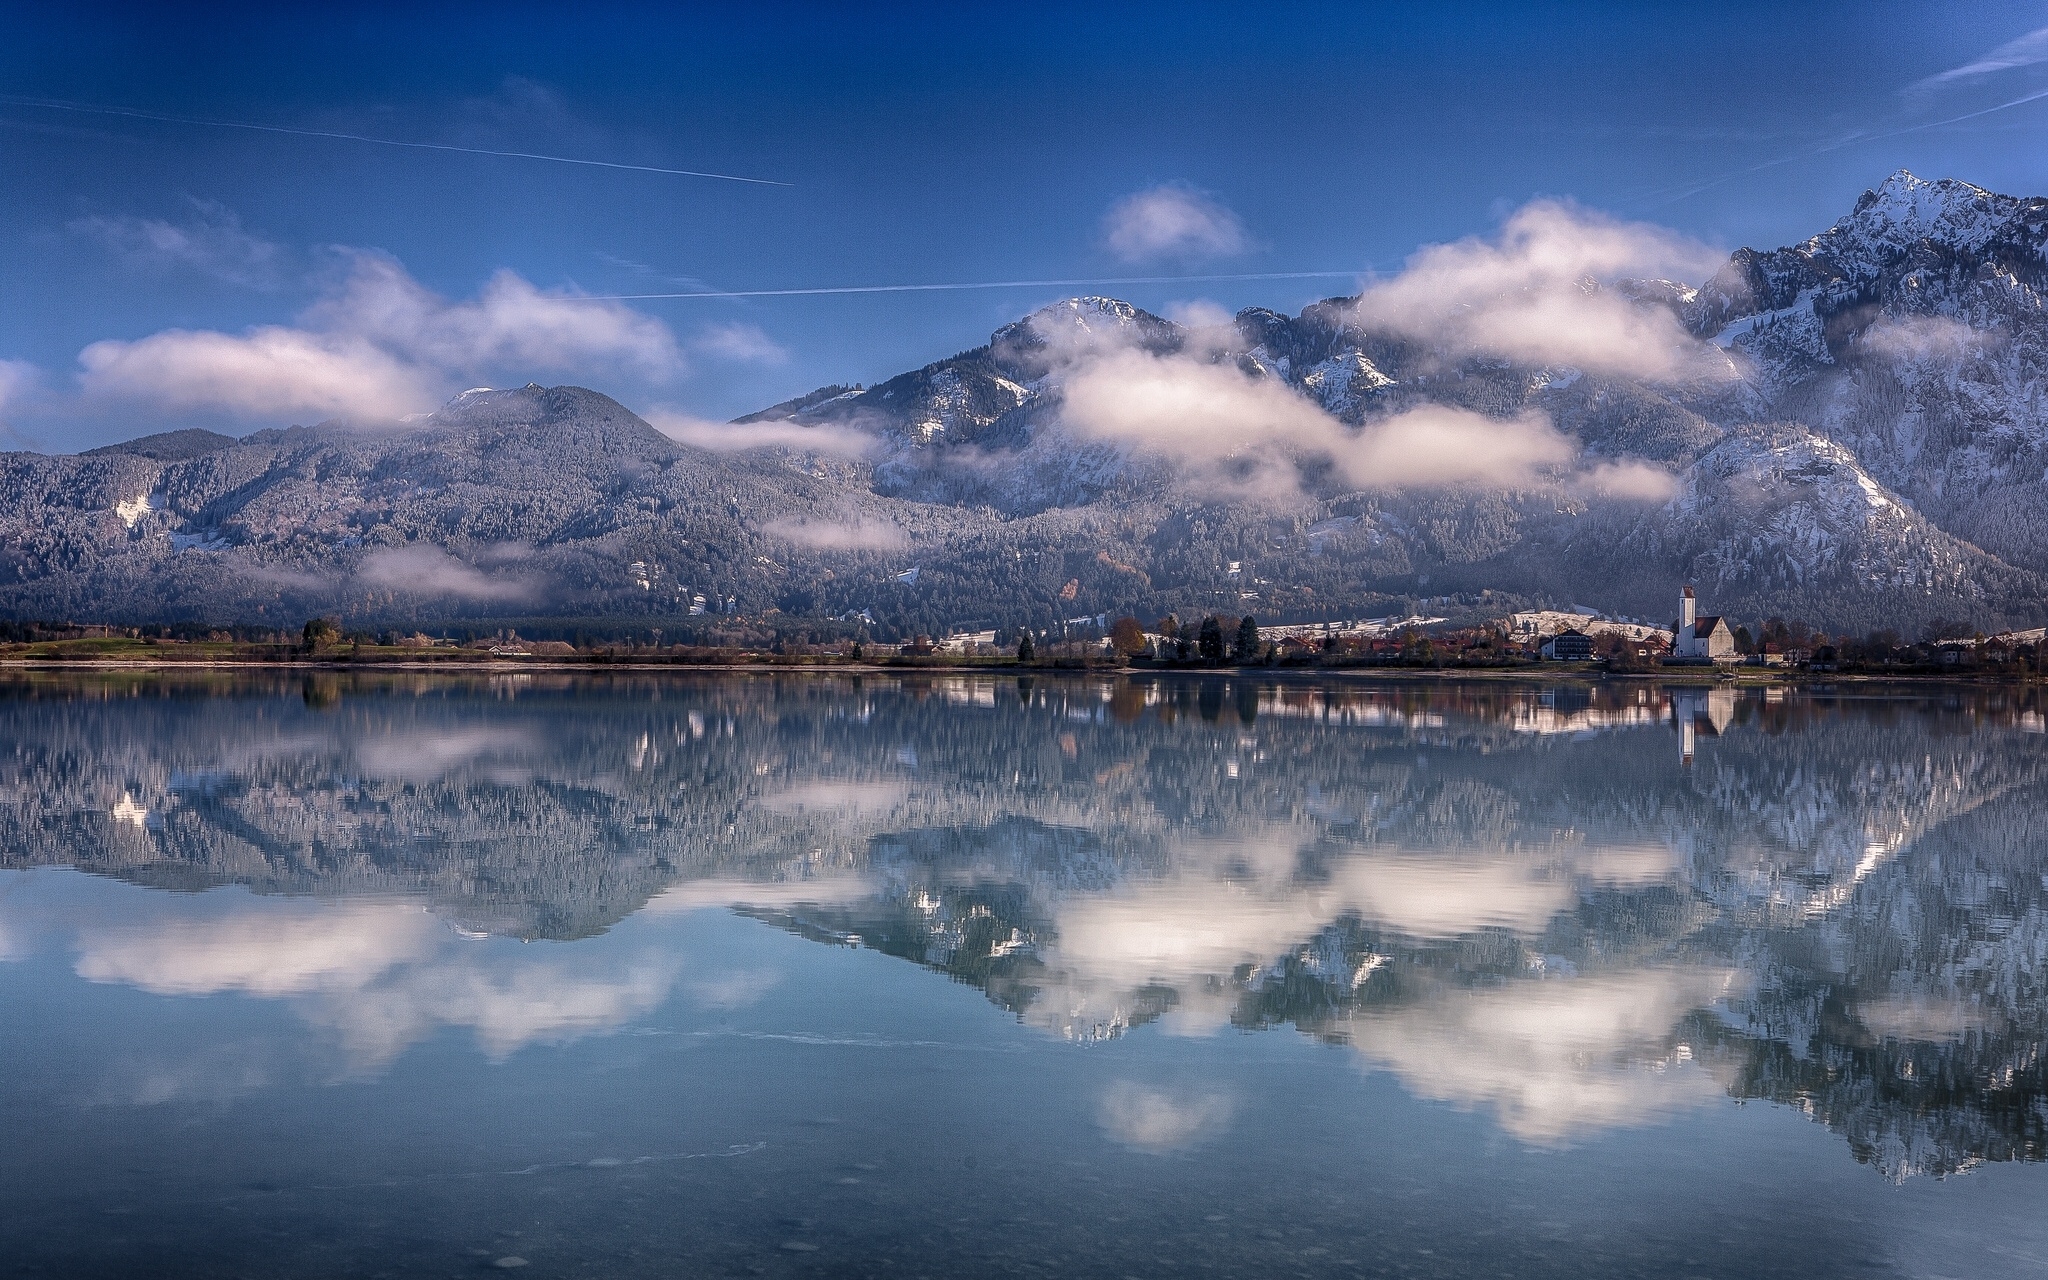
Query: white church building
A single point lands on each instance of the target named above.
(1701, 639)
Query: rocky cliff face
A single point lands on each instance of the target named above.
(1856, 433)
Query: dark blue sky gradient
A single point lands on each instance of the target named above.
(924, 144)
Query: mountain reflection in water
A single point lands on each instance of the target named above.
(1572, 910)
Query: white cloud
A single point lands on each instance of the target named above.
(1924, 338)
(1157, 1121)
(1211, 418)
(510, 324)
(1246, 434)
(16, 377)
(1172, 222)
(845, 535)
(738, 342)
(267, 372)
(377, 346)
(1552, 1059)
(1629, 481)
(211, 241)
(1531, 294)
(263, 950)
(2028, 50)
(379, 975)
(734, 437)
(1238, 905)
(1198, 314)
(430, 571)
(1434, 446)
(506, 1006)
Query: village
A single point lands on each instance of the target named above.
(1540, 643)
(1547, 639)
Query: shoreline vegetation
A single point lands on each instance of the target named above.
(150, 655)
(1791, 653)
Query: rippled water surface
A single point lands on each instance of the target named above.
(991, 976)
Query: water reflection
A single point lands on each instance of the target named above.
(1572, 910)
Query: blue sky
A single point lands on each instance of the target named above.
(163, 273)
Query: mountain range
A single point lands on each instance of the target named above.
(1852, 430)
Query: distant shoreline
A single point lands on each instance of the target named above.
(1574, 673)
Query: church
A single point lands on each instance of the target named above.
(1700, 639)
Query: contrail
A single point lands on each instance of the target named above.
(382, 142)
(980, 284)
(1837, 145)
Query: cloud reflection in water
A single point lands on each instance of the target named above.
(1546, 910)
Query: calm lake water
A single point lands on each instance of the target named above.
(992, 976)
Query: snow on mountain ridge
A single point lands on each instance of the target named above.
(1906, 209)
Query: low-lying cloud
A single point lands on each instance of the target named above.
(846, 535)
(1923, 338)
(1250, 434)
(737, 437)
(1172, 222)
(432, 572)
(1532, 294)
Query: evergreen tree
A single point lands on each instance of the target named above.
(1247, 639)
(1210, 642)
(1026, 650)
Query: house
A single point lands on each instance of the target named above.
(1700, 639)
(1826, 658)
(1569, 646)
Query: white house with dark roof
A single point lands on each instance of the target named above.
(1701, 638)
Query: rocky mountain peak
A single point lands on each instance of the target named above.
(1906, 210)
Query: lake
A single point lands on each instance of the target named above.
(1003, 976)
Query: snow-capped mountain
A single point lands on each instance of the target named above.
(1912, 332)
(1853, 429)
